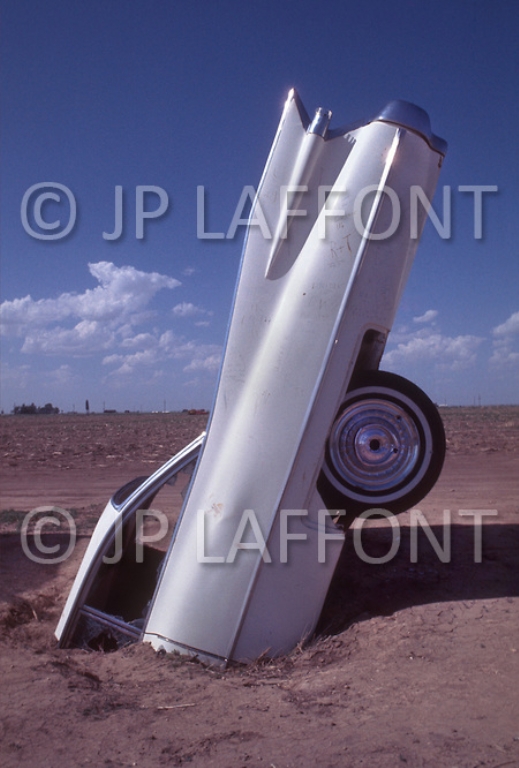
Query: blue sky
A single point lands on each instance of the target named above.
(98, 95)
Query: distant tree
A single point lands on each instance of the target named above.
(32, 408)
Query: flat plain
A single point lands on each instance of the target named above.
(413, 663)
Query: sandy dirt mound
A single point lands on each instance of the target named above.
(414, 663)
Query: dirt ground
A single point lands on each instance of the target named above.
(414, 663)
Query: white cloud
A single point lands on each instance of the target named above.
(122, 292)
(506, 343)
(207, 359)
(509, 328)
(104, 321)
(168, 346)
(128, 363)
(428, 345)
(427, 317)
(85, 338)
(141, 340)
(62, 376)
(98, 314)
(186, 309)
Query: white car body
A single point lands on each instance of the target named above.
(253, 553)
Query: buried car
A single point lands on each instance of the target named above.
(305, 431)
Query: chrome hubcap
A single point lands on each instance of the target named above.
(375, 445)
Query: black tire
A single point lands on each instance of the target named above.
(386, 447)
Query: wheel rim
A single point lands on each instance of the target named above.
(375, 445)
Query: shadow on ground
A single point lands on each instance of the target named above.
(361, 589)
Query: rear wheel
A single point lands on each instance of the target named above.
(386, 447)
